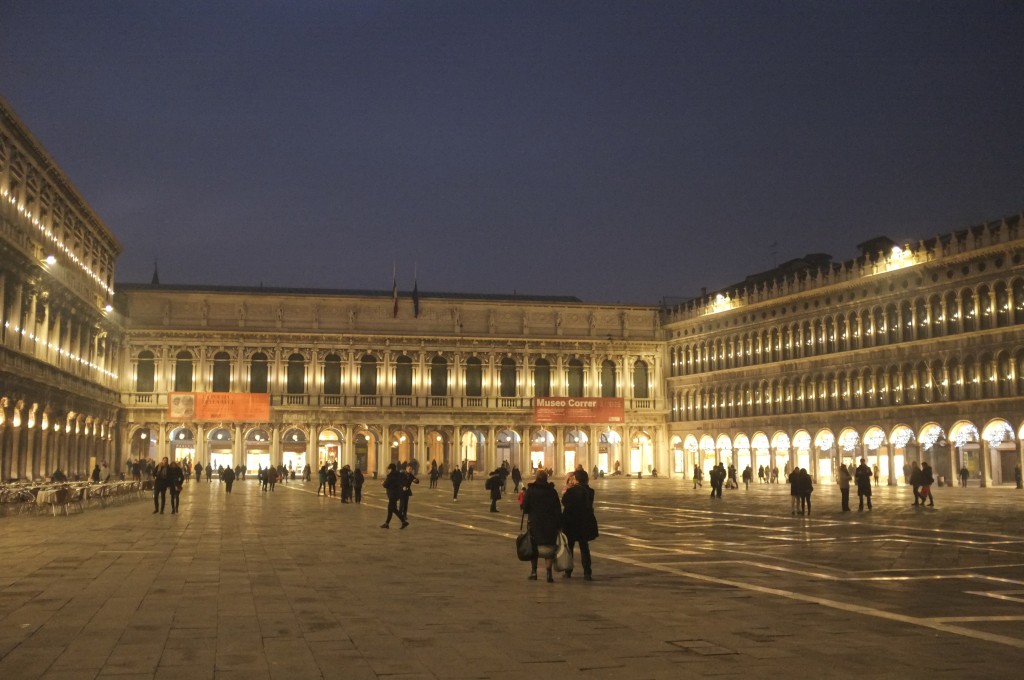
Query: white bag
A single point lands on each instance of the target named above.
(563, 558)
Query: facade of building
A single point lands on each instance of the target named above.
(909, 352)
(59, 398)
(351, 381)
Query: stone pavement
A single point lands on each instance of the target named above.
(289, 585)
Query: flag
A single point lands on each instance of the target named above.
(394, 292)
(415, 299)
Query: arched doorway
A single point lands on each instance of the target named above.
(781, 446)
(182, 442)
(293, 451)
(741, 449)
(901, 441)
(762, 453)
(1003, 455)
(708, 455)
(825, 443)
(437, 450)
(365, 445)
(257, 451)
(641, 454)
(608, 452)
(577, 450)
(966, 449)
(876, 453)
(471, 450)
(541, 450)
(329, 445)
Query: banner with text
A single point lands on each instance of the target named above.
(570, 410)
(218, 406)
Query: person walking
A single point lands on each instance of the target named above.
(698, 477)
(517, 478)
(748, 477)
(806, 489)
(965, 474)
(393, 486)
(357, 484)
(794, 492)
(199, 471)
(1018, 476)
(408, 479)
(96, 474)
(915, 482)
(161, 478)
(271, 477)
(863, 479)
(209, 472)
(544, 521)
(346, 483)
(228, 477)
(579, 521)
(927, 479)
(306, 472)
(456, 477)
(844, 487)
(760, 474)
(493, 485)
(175, 480)
(332, 482)
(322, 477)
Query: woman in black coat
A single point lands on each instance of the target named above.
(578, 519)
(544, 512)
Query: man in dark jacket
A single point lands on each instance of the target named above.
(393, 486)
(863, 479)
(357, 484)
(493, 484)
(408, 479)
(346, 483)
(578, 519)
(456, 477)
(228, 477)
(517, 478)
(161, 479)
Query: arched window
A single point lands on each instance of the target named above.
(967, 310)
(542, 378)
(906, 322)
(474, 377)
(146, 378)
(507, 377)
(368, 375)
(608, 386)
(183, 372)
(403, 376)
(439, 377)
(576, 377)
(641, 389)
(1018, 301)
(296, 374)
(1002, 305)
(952, 313)
(332, 374)
(986, 314)
(258, 374)
(221, 372)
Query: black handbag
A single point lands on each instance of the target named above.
(525, 548)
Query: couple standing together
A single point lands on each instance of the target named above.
(547, 517)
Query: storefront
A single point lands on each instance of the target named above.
(220, 448)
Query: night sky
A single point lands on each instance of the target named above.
(619, 152)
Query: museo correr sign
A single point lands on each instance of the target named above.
(570, 410)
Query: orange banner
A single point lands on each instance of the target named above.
(579, 410)
(218, 406)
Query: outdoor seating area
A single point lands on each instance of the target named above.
(61, 498)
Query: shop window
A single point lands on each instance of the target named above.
(296, 374)
(542, 378)
(576, 376)
(439, 377)
(608, 386)
(507, 377)
(640, 381)
(368, 376)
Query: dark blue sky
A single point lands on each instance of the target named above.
(614, 151)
